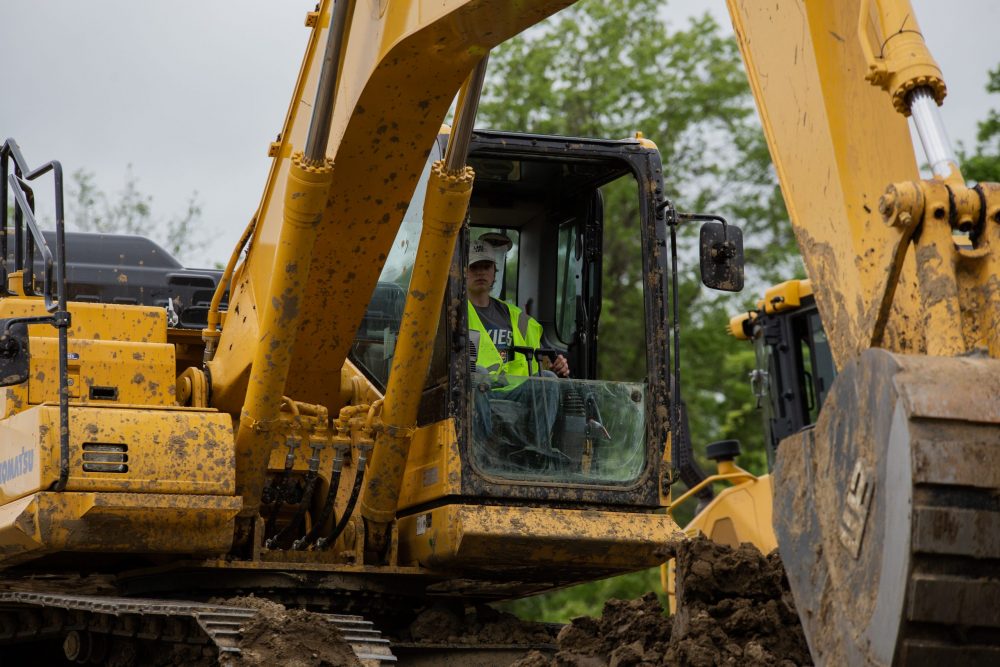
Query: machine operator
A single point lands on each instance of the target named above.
(494, 328)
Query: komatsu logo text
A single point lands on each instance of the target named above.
(17, 465)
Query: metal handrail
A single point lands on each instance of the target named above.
(24, 260)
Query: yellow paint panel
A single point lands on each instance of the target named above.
(115, 523)
(740, 513)
(433, 468)
(158, 451)
(501, 537)
(142, 324)
(836, 143)
(23, 469)
(121, 351)
(134, 373)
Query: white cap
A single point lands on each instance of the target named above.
(490, 247)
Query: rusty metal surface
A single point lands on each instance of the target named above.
(887, 517)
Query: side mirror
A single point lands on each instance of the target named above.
(721, 251)
(13, 353)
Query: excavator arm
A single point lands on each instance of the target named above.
(885, 510)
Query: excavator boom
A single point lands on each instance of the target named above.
(402, 65)
(884, 509)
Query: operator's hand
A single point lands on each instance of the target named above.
(560, 366)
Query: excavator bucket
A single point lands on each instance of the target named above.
(888, 514)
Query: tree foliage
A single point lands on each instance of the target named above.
(130, 211)
(983, 164)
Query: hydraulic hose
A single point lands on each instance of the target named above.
(359, 477)
(300, 512)
(324, 514)
(281, 486)
(211, 333)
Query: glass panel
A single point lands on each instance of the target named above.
(568, 284)
(560, 430)
(375, 342)
(760, 384)
(823, 368)
(808, 397)
(622, 351)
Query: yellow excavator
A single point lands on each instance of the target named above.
(884, 502)
(323, 441)
(792, 375)
(327, 439)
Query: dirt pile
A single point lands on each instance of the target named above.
(482, 625)
(288, 637)
(734, 608)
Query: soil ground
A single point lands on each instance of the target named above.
(734, 608)
(288, 637)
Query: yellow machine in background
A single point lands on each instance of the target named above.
(792, 375)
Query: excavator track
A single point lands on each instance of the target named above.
(87, 625)
(888, 514)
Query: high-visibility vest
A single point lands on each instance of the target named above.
(527, 333)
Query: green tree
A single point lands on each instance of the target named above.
(593, 71)
(130, 212)
(984, 163)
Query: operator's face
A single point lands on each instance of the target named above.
(480, 277)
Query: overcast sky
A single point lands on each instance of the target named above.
(190, 92)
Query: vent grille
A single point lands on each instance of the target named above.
(105, 457)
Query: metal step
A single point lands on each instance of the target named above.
(367, 642)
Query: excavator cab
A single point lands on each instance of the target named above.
(590, 442)
(794, 367)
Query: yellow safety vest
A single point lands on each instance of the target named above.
(527, 333)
